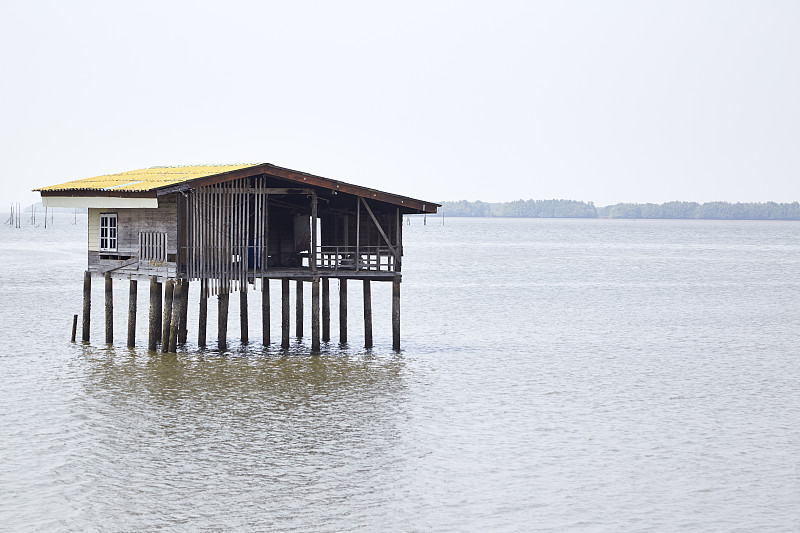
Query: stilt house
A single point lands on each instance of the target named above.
(230, 226)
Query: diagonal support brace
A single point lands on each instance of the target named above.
(383, 234)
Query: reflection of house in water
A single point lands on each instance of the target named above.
(233, 226)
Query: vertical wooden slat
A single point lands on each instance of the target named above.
(358, 232)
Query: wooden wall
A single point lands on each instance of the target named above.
(131, 221)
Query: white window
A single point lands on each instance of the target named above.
(108, 232)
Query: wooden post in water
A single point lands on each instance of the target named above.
(343, 310)
(285, 313)
(87, 305)
(243, 313)
(109, 309)
(222, 319)
(265, 311)
(367, 314)
(203, 318)
(154, 322)
(159, 308)
(132, 294)
(169, 292)
(396, 314)
(299, 311)
(74, 326)
(182, 330)
(315, 315)
(326, 309)
(175, 320)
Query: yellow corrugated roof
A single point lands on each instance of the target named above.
(145, 179)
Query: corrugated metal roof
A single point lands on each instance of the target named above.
(146, 179)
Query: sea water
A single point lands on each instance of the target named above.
(555, 375)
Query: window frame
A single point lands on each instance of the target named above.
(109, 233)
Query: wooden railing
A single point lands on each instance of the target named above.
(376, 258)
(152, 246)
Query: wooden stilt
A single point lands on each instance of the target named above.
(87, 305)
(243, 314)
(154, 322)
(343, 310)
(367, 314)
(159, 309)
(175, 321)
(315, 315)
(326, 309)
(182, 330)
(299, 311)
(109, 309)
(222, 321)
(284, 313)
(169, 293)
(265, 311)
(203, 318)
(74, 327)
(132, 296)
(396, 314)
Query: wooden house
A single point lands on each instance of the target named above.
(230, 227)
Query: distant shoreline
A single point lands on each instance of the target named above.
(665, 211)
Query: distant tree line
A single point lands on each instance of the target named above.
(521, 209)
(709, 210)
(575, 209)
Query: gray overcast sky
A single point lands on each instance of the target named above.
(598, 101)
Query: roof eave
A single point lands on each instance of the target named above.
(408, 204)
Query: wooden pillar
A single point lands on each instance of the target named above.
(132, 294)
(342, 310)
(222, 320)
(74, 327)
(367, 314)
(154, 322)
(159, 309)
(203, 318)
(182, 330)
(179, 295)
(87, 305)
(326, 309)
(243, 313)
(396, 314)
(299, 311)
(169, 292)
(285, 313)
(109, 309)
(313, 255)
(315, 315)
(265, 311)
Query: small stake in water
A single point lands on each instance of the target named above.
(74, 326)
